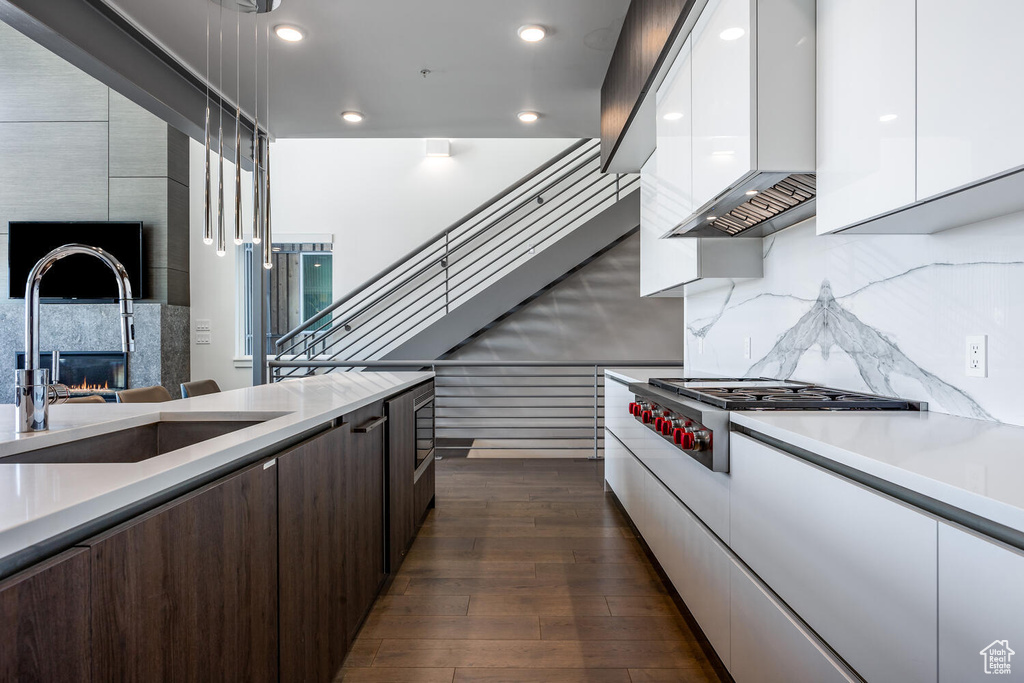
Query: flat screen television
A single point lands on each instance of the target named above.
(75, 277)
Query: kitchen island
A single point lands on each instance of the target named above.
(240, 535)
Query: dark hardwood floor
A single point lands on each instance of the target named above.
(525, 571)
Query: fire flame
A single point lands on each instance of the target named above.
(85, 386)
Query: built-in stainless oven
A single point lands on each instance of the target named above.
(423, 411)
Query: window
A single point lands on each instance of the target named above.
(300, 287)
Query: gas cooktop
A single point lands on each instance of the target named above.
(767, 394)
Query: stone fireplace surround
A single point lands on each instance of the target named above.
(161, 339)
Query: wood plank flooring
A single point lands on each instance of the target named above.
(525, 573)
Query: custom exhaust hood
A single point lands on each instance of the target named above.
(735, 120)
(760, 205)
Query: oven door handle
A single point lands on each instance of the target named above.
(416, 407)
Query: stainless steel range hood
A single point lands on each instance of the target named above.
(738, 103)
(761, 204)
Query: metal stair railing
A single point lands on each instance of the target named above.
(496, 408)
(470, 255)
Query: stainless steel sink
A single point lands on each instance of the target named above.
(134, 444)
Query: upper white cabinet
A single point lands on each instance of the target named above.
(981, 601)
(866, 109)
(918, 114)
(723, 97)
(969, 94)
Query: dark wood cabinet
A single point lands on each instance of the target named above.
(44, 621)
(401, 468)
(312, 557)
(263, 575)
(188, 591)
(364, 501)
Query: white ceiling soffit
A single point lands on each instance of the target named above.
(367, 57)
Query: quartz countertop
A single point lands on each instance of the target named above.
(40, 502)
(973, 465)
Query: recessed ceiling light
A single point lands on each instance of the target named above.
(723, 153)
(289, 33)
(751, 193)
(528, 116)
(733, 33)
(673, 116)
(352, 116)
(885, 118)
(532, 33)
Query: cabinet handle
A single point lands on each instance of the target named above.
(422, 404)
(371, 425)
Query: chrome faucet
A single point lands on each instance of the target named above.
(34, 393)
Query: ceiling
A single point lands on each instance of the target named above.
(367, 56)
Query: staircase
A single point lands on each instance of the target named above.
(477, 270)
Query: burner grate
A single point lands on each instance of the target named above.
(788, 395)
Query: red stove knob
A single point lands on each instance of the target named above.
(666, 427)
(632, 408)
(687, 441)
(658, 422)
(646, 416)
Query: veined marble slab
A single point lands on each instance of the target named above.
(886, 314)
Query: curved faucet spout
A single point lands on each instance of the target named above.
(124, 290)
(33, 392)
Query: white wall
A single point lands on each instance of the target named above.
(887, 314)
(377, 198)
(381, 198)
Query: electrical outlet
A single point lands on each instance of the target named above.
(746, 348)
(700, 346)
(202, 337)
(977, 356)
(202, 325)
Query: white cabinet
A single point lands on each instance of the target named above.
(664, 263)
(918, 117)
(723, 96)
(674, 125)
(625, 476)
(969, 99)
(769, 645)
(981, 601)
(858, 567)
(694, 560)
(866, 109)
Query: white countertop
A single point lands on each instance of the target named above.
(973, 465)
(41, 501)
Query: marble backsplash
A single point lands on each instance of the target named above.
(887, 314)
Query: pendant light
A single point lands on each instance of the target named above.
(257, 146)
(268, 262)
(239, 238)
(207, 208)
(221, 239)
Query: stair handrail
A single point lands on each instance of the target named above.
(413, 253)
(424, 267)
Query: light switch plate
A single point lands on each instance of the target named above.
(202, 337)
(202, 325)
(977, 356)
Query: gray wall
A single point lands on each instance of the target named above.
(594, 314)
(72, 149)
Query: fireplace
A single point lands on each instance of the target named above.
(88, 373)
